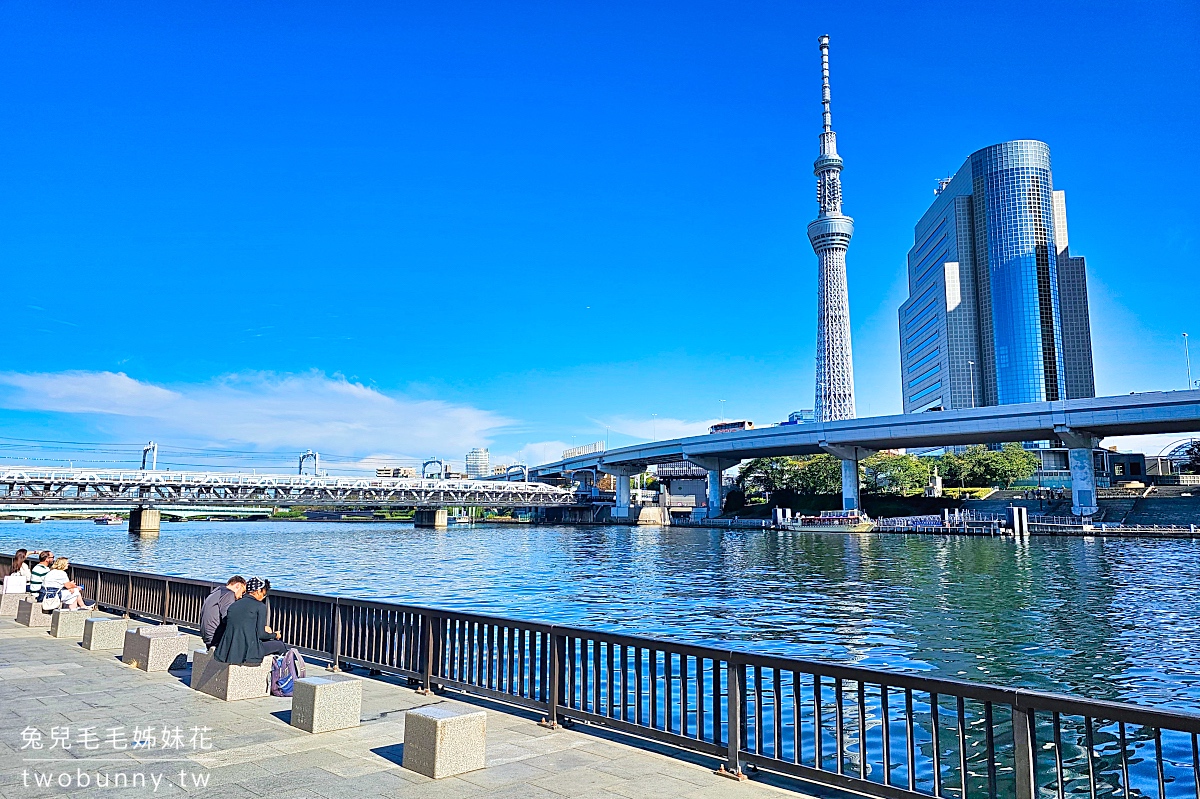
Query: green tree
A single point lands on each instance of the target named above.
(1192, 464)
(1010, 463)
(1014, 462)
(977, 466)
(889, 473)
(954, 467)
(819, 474)
(763, 476)
(811, 475)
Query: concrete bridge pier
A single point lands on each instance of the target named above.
(849, 456)
(715, 467)
(622, 473)
(1080, 444)
(145, 521)
(431, 517)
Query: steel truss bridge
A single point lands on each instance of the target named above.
(101, 491)
(46, 510)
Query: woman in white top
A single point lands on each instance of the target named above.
(69, 593)
(18, 579)
(20, 564)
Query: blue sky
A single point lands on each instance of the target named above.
(408, 229)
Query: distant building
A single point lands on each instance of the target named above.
(396, 471)
(680, 470)
(1112, 467)
(477, 463)
(1179, 455)
(1160, 466)
(801, 417)
(997, 310)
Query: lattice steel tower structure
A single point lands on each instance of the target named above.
(830, 235)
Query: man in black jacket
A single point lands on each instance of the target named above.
(248, 638)
(216, 608)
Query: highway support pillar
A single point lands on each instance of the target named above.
(430, 517)
(622, 472)
(849, 456)
(715, 467)
(145, 521)
(1080, 444)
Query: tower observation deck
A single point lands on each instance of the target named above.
(830, 236)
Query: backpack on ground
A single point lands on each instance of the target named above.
(285, 670)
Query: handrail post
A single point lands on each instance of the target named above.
(427, 670)
(553, 680)
(735, 680)
(335, 630)
(128, 593)
(166, 604)
(1024, 751)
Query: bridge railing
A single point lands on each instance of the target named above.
(878, 733)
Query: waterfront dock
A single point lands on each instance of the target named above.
(55, 688)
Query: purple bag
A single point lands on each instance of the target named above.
(285, 670)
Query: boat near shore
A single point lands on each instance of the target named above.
(108, 518)
(831, 521)
(520, 518)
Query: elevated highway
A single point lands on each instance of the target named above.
(1079, 424)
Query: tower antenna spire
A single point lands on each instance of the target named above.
(826, 119)
(830, 235)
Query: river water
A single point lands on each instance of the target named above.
(1109, 619)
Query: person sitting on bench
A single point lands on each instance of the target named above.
(248, 637)
(216, 608)
(39, 572)
(70, 594)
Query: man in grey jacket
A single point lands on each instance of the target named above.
(216, 605)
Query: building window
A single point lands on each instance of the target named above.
(931, 372)
(1118, 469)
(927, 390)
(1135, 468)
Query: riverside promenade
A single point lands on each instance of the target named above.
(68, 716)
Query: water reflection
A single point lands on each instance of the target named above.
(1112, 619)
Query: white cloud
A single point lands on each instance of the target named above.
(85, 392)
(658, 429)
(261, 409)
(531, 454)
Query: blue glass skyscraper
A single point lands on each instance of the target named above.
(997, 308)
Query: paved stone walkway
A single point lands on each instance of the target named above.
(54, 692)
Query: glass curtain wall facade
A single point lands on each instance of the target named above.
(990, 318)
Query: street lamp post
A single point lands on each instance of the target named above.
(972, 383)
(1188, 358)
(722, 409)
(654, 428)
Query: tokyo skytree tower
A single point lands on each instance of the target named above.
(830, 235)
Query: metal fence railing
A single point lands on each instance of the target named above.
(731, 524)
(883, 734)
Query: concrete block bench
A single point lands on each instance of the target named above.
(104, 632)
(159, 648)
(9, 603)
(324, 704)
(444, 739)
(31, 615)
(228, 681)
(69, 623)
